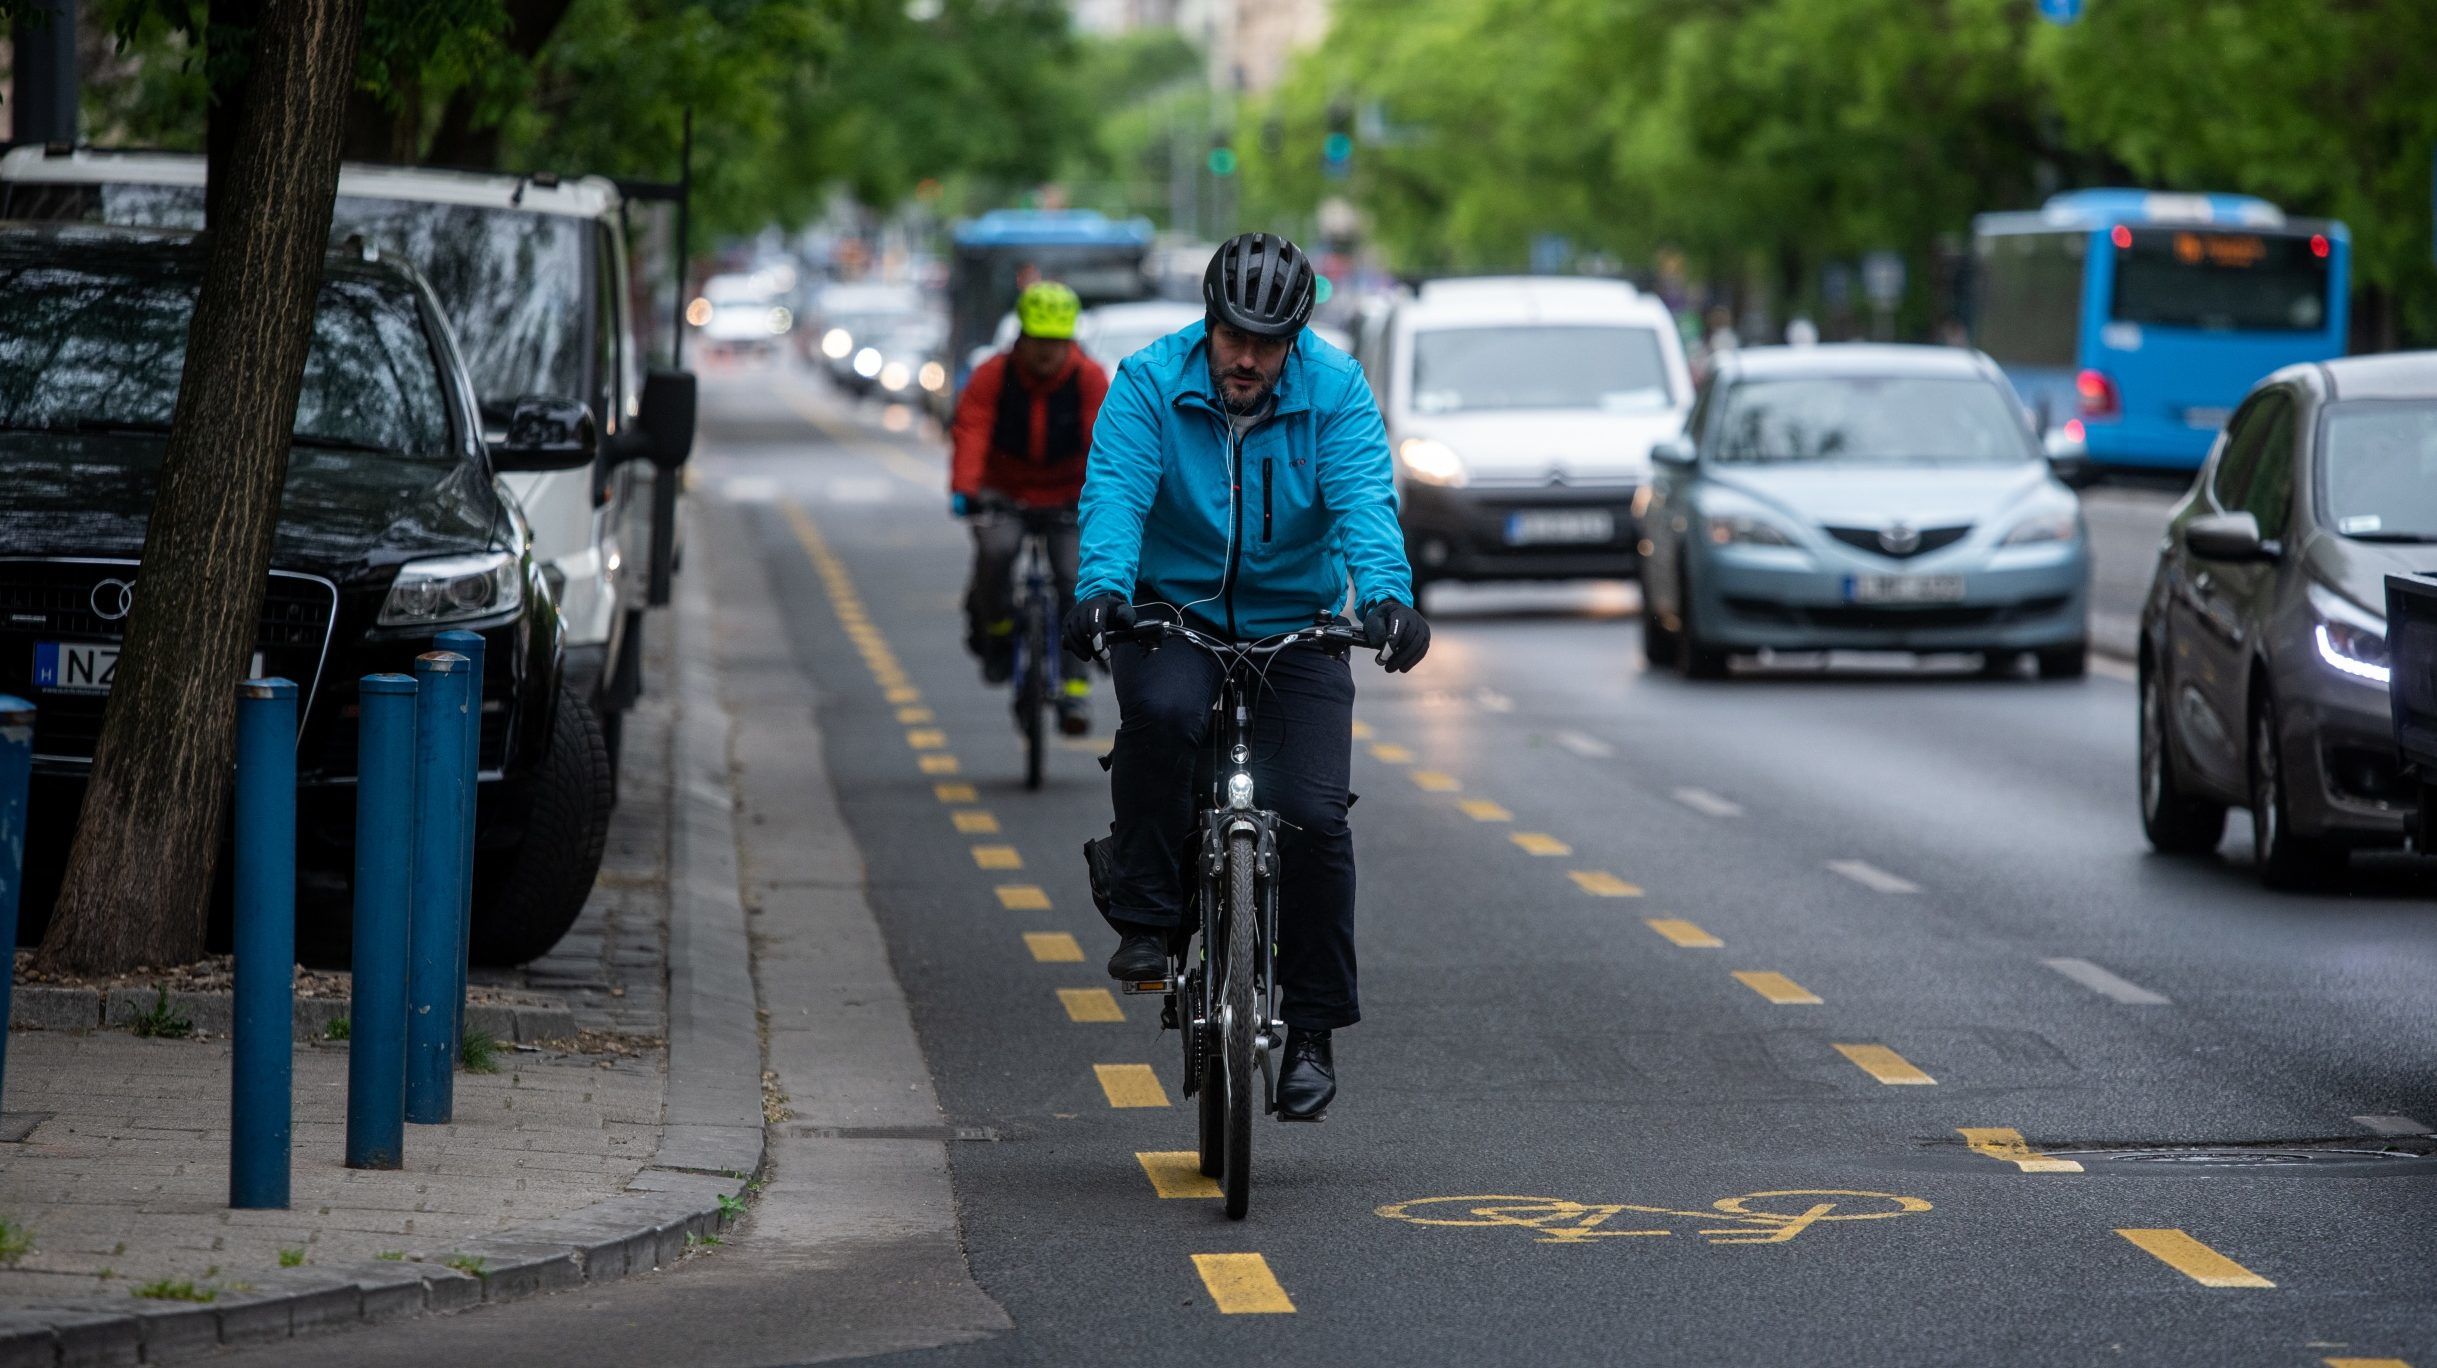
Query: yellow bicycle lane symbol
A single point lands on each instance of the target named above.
(1554, 1220)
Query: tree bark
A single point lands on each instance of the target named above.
(137, 889)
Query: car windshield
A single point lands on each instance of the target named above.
(2378, 471)
(1540, 366)
(511, 283)
(99, 349)
(1871, 418)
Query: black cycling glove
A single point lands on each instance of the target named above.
(1400, 633)
(1092, 619)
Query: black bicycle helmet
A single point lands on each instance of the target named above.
(1261, 283)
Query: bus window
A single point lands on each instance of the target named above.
(2028, 309)
(2223, 282)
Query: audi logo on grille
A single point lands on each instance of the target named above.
(112, 599)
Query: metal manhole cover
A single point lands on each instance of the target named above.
(2233, 1158)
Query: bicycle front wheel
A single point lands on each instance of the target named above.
(1243, 925)
(1032, 693)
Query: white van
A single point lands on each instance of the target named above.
(532, 273)
(1522, 410)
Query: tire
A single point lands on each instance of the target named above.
(1999, 664)
(2065, 662)
(2286, 861)
(1243, 918)
(527, 897)
(1660, 647)
(1032, 695)
(2175, 822)
(1699, 661)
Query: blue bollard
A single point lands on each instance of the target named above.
(262, 1100)
(16, 770)
(384, 870)
(442, 680)
(469, 645)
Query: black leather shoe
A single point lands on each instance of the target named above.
(1141, 955)
(1308, 1083)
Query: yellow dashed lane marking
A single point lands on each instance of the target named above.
(938, 764)
(1776, 987)
(1434, 781)
(1090, 1004)
(2364, 1363)
(974, 822)
(954, 793)
(1540, 843)
(1483, 810)
(910, 716)
(926, 738)
(1131, 1085)
(902, 693)
(1053, 947)
(1177, 1173)
(1683, 933)
(997, 857)
(2193, 1259)
(1242, 1284)
(1023, 898)
(1391, 753)
(1883, 1064)
(1363, 732)
(1600, 883)
(2006, 1145)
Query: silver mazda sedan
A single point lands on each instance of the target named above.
(1861, 497)
(2263, 665)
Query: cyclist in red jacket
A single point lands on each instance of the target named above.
(1023, 430)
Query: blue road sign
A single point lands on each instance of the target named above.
(2060, 11)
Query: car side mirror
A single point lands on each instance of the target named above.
(547, 434)
(2227, 537)
(666, 419)
(1675, 451)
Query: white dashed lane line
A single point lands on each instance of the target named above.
(1872, 877)
(1707, 803)
(1589, 747)
(2105, 984)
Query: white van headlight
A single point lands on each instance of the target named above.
(453, 589)
(1432, 462)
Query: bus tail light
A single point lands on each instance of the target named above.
(2319, 246)
(2097, 395)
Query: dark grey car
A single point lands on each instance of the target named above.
(2263, 665)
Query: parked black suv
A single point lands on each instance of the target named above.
(393, 528)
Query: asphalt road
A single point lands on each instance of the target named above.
(1682, 1002)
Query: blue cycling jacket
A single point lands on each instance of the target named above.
(1254, 542)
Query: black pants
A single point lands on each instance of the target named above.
(998, 538)
(1302, 753)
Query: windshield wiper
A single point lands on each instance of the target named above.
(318, 442)
(2394, 538)
(117, 427)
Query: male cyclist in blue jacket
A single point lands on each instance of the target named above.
(1239, 474)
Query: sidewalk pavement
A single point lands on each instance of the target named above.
(569, 1164)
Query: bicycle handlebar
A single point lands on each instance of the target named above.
(1149, 631)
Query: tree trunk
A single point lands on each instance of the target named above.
(139, 876)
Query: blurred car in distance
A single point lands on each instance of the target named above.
(2264, 666)
(740, 315)
(1861, 497)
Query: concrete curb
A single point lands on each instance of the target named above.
(711, 1137)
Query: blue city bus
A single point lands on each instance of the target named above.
(2136, 321)
(1105, 260)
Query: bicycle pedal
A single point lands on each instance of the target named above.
(1157, 985)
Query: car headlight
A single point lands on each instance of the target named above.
(934, 376)
(2059, 525)
(698, 312)
(836, 343)
(867, 362)
(780, 321)
(453, 589)
(2350, 639)
(1432, 461)
(895, 376)
(1739, 529)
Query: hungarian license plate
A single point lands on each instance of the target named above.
(1903, 588)
(1542, 526)
(86, 667)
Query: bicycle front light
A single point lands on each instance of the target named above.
(453, 589)
(1239, 792)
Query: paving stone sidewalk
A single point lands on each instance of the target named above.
(114, 1148)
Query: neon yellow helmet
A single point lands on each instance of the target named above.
(1048, 309)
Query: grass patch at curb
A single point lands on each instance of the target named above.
(161, 1021)
(181, 1290)
(478, 1052)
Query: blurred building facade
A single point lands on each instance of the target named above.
(1249, 42)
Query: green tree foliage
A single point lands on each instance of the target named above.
(1767, 137)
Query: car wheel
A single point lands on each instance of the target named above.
(2174, 822)
(2285, 860)
(526, 898)
(1699, 660)
(1660, 646)
(2065, 662)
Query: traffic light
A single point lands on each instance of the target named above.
(1337, 149)
(1222, 157)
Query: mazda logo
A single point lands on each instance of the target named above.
(1900, 538)
(112, 599)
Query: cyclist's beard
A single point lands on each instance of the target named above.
(1240, 408)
